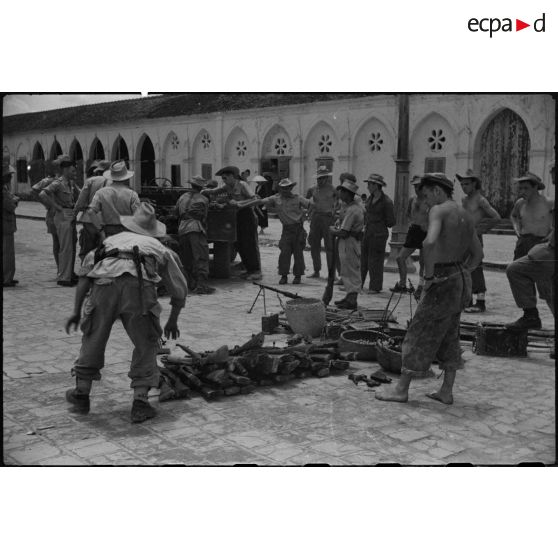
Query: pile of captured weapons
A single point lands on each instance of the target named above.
(240, 370)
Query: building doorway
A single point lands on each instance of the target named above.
(76, 154)
(277, 167)
(175, 176)
(120, 151)
(37, 166)
(147, 162)
(503, 153)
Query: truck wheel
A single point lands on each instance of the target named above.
(220, 266)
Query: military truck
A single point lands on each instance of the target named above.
(221, 223)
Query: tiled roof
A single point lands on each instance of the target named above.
(159, 106)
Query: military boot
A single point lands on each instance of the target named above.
(349, 303)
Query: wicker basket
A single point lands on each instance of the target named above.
(306, 316)
(360, 341)
(388, 359)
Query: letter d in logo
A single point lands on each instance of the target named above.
(538, 26)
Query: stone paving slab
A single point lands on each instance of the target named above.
(504, 410)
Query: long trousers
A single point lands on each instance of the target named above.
(194, 254)
(292, 242)
(349, 258)
(527, 273)
(55, 245)
(8, 257)
(524, 243)
(477, 276)
(319, 229)
(247, 239)
(434, 330)
(66, 231)
(106, 304)
(372, 260)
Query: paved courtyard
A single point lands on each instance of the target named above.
(504, 410)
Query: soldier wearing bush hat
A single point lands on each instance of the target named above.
(322, 216)
(235, 191)
(379, 217)
(89, 236)
(531, 215)
(349, 234)
(291, 210)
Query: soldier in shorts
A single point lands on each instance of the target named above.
(417, 213)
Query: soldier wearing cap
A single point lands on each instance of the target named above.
(532, 272)
(322, 217)
(451, 249)
(191, 211)
(114, 200)
(60, 196)
(9, 204)
(89, 237)
(291, 210)
(379, 217)
(234, 191)
(417, 213)
(531, 215)
(122, 279)
(350, 235)
(484, 217)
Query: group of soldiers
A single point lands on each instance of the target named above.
(124, 257)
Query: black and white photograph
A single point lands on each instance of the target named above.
(278, 279)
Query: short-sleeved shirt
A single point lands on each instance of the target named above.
(114, 200)
(324, 199)
(63, 191)
(192, 208)
(90, 188)
(166, 264)
(353, 219)
(290, 209)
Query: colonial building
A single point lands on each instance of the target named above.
(177, 136)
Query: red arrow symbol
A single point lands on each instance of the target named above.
(519, 25)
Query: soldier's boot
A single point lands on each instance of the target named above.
(79, 396)
(529, 320)
(350, 302)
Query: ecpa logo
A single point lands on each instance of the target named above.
(494, 24)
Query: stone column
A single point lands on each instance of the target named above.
(401, 201)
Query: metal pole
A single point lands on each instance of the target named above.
(401, 197)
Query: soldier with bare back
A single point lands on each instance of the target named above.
(451, 249)
(531, 215)
(484, 218)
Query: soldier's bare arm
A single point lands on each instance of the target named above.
(435, 220)
(490, 217)
(515, 217)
